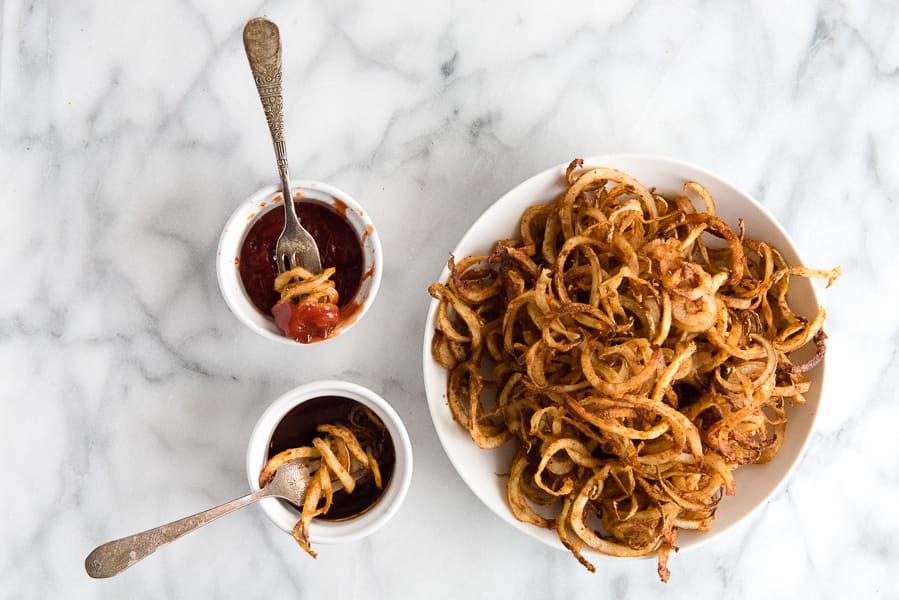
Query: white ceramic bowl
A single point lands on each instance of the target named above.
(755, 484)
(267, 199)
(332, 532)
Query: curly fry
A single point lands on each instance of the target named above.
(636, 360)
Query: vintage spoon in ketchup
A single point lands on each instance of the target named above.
(290, 482)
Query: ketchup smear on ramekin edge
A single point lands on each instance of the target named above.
(339, 247)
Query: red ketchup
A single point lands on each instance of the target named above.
(339, 247)
(307, 322)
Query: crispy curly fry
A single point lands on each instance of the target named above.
(283, 457)
(637, 360)
(307, 310)
(300, 285)
(337, 462)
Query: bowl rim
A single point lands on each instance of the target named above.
(230, 242)
(367, 523)
(436, 401)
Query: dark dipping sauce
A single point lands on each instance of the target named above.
(297, 428)
(338, 245)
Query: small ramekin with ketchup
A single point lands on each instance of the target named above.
(347, 241)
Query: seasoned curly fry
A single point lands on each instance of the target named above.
(635, 361)
(342, 462)
(307, 310)
(301, 286)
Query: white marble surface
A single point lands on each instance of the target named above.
(129, 131)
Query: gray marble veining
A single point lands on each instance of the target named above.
(137, 123)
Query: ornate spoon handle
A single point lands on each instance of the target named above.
(114, 557)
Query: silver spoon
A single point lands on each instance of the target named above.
(290, 482)
(262, 43)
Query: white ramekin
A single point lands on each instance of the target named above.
(269, 198)
(333, 532)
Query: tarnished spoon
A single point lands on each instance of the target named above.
(290, 482)
(262, 43)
